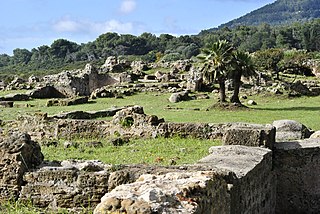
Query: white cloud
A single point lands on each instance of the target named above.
(67, 25)
(78, 26)
(127, 6)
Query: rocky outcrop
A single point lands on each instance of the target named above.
(18, 154)
(113, 65)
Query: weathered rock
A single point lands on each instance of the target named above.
(139, 66)
(180, 96)
(301, 89)
(79, 82)
(118, 141)
(88, 114)
(250, 135)
(6, 104)
(316, 134)
(252, 102)
(73, 184)
(112, 64)
(175, 192)
(105, 92)
(18, 154)
(15, 97)
(194, 80)
(232, 179)
(16, 84)
(134, 116)
(67, 102)
(290, 130)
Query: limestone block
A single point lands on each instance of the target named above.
(250, 135)
(287, 130)
(174, 192)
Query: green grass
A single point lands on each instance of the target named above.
(17, 207)
(160, 151)
(269, 108)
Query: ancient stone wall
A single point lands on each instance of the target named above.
(18, 154)
(257, 176)
(297, 167)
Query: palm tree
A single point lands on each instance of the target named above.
(217, 59)
(243, 66)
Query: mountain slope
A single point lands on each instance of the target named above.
(280, 12)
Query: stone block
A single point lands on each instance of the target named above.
(73, 184)
(252, 188)
(288, 130)
(250, 135)
(174, 192)
(297, 167)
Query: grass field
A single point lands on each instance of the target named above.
(162, 151)
(269, 108)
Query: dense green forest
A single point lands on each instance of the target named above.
(279, 13)
(63, 54)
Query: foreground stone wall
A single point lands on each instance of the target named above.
(232, 179)
(297, 167)
(252, 189)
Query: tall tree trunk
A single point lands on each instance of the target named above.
(222, 90)
(236, 89)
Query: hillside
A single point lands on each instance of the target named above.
(280, 12)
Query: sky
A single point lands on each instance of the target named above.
(32, 23)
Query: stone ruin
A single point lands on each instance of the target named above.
(250, 173)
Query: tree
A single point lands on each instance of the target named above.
(62, 48)
(21, 56)
(269, 59)
(243, 66)
(217, 61)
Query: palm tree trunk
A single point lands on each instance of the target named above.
(222, 90)
(236, 90)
